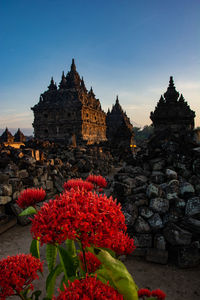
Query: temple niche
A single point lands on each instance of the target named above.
(172, 112)
(119, 128)
(69, 112)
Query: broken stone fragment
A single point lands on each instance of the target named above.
(193, 206)
(176, 235)
(141, 226)
(159, 205)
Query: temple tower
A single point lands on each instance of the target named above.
(172, 112)
(69, 111)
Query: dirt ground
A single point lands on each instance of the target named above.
(178, 284)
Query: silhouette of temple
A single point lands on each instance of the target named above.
(119, 128)
(172, 112)
(7, 137)
(69, 112)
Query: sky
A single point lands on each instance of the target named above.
(128, 48)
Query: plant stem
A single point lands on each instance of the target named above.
(84, 258)
(21, 296)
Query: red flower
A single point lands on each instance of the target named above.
(93, 263)
(85, 216)
(159, 294)
(97, 180)
(78, 183)
(30, 197)
(88, 288)
(144, 292)
(17, 273)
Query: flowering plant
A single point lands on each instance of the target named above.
(87, 230)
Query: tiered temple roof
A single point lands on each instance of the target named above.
(172, 111)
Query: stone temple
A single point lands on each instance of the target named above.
(69, 113)
(172, 112)
(119, 127)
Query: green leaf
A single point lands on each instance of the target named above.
(69, 263)
(28, 211)
(34, 248)
(51, 280)
(70, 247)
(51, 253)
(117, 274)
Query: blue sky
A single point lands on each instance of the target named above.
(123, 47)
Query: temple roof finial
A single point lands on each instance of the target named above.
(73, 66)
(52, 85)
(117, 100)
(171, 94)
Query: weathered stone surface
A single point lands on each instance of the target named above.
(170, 174)
(159, 205)
(159, 242)
(141, 226)
(5, 199)
(23, 174)
(157, 256)
(192, 225)
(122, 189)
(187, 189)
(193, 206)
(155, 222)
(153, 191)
(6, 190)
(157, 177)
(176, 235)
(145, 212)
(143, 240)
(49, 185)
(4, 178)
(141, 180)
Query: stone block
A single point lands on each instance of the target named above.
(176, 235)
(159, 205)
(23, 173)
(193, 206)
(4, 178)
(187, 189)
(171, 174)
(157, 256)
(153, 191)
(143, 240)
(141, 226)
(49, 185)
(5, 199)
(157, 177)
(159, 242)
(155, 222)
(145, 212)
(12, 221)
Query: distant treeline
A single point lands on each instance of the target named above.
(142, 134)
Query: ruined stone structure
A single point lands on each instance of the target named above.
(69, 112)
(119, 128)
(19, 136)
(172, 112)
(7, 137)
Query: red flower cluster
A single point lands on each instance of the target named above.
(93, 263)
(30, 197)
(89, 288)
(160, 295)
(78, 183)
(17, 273)
(97, 180)
(85, 216)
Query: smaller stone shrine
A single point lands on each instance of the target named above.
(19, 136)
(7, 137)
(119, 128)
(172, 112)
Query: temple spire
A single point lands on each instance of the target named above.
(73, 66)
(63, 82)
(83, 85)
(171, 94)
(117, 100)
(52, 85)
